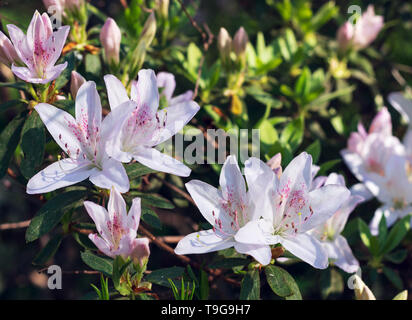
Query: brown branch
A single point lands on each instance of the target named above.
(207, 38)
(176, 189)
(185, 259)
(15, 225)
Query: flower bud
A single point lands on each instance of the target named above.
(240, 41)
(110, 37)
(76, 82)
(141, 252)
(162, 7)
(275, 163)
(345, 35)
(362, 292)
(149, 30)
(8, 54)
(224, 44)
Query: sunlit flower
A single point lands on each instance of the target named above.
(329, 233)
(81, 138)
(39, 49)
(117, 230)
(291, 209)
(141, 126)
(110, 37)
(227, 210)
(167, 81)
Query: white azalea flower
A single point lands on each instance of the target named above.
(227, 210)
(81, 139)
(329, 233)
(141, 126)
(290, 209)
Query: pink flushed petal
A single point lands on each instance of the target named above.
(117, 208)
(101, 244)
(55, 44)
(100, 217)
(19, 40)
(134, 214)
(147, 93)
(8, 54)
(166, 81)
(382, 123)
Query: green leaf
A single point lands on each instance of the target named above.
(9, 139)
(282, 283)
(204, 285)
(365, 233)
(32, 143)
(331, 282)
(326, 166)
(314, 150)
(393, 277)
(292, 135)
(250, 287)
(383, 231)
(397, 233)
(151, 218)
(136, 170)
(66, 74)
(268, 134)
(84, 241)
(323, 15)
(401, 295)
(119, 267)
(93, 65)
(49, 250)
(302, 86)
(153, 200)
(8, 104)
(397, 256)
(52, 212)
(103, 265)
(229, 263)
(160, 276)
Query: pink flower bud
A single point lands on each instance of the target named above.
(345, 35)
(110, 37)
(382, 123)
(141, 251)
(8, 54)
(240, 41)
(275, 163)
(367, 28)
(76, 82)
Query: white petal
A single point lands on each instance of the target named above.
(403, 105)
(232, 183)
(207, 199)
(391, 216)
(257, 232)
(187, 96)
(100, 217)
(203, 242)
(116, 92)
(261, 254)
(55, 44)
(361, 190)
(58, 123)
(308, 249)
(134, 214)
(101, 244)
(166, 81)
(156, 160)
(260, 180)
(112, 174)
(324, 202)
(89, 108)
(146, 91)
(298, 172)
(58, 175)
(117, 208)
(53, 72)
(345, 260)
(172, 120)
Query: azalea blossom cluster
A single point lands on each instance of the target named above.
(383, 164)
(289, 208)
